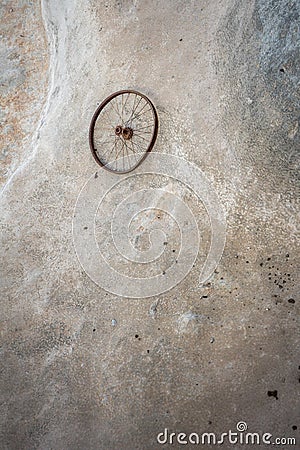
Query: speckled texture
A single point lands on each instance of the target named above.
(23, 80)
(84, 369)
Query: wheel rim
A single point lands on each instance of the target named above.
(123, 130)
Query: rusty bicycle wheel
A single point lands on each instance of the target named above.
(123, 131)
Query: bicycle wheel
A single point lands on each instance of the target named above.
(123, 130)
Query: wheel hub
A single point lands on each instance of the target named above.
(126, 132)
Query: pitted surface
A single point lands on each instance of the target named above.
(81, 367)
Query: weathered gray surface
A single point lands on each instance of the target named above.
(82, 368)
(23, 80)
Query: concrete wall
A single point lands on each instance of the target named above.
(83, 368)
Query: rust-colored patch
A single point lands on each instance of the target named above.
(23, 80)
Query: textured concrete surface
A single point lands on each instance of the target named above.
(23, 80)
(82, 368)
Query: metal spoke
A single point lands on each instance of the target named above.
(125, 124)
(115, 110)
(123, 155)
(118, 153)
(110, 135)
(126, 102)
(133, 107)
(140, 114)
(117, 106)
(129, 149)
(109, 117)
(122, 105)
(133, 111)
(99, 144)
(127, 154)
(141, 137)
(135, 153)
(142, 128)
(114, 146)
